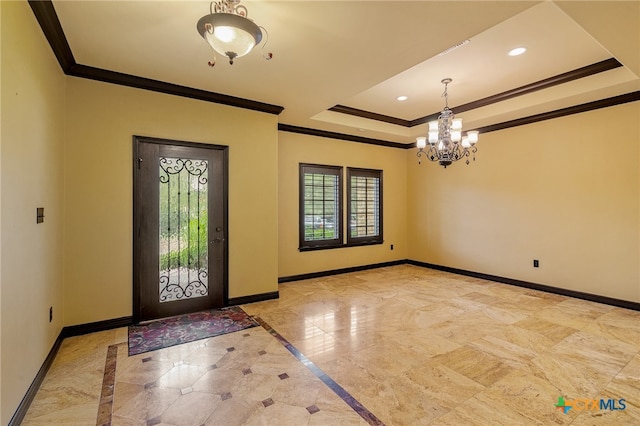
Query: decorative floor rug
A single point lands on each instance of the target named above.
(187, 328)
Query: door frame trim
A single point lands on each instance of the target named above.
(136, 307)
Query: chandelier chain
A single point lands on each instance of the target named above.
(445, 95)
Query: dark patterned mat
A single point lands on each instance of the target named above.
(187, 328)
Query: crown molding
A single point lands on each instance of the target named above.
(575, 109)
(340, 136)
(343, 109)
(113, 77)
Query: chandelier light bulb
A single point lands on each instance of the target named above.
(473, 137)
(224, 34)
(433, 137)
(422, 142)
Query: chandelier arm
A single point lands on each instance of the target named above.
(212, 63)
(268, 55)
(430, 153)
(433, 154)
(454, 153)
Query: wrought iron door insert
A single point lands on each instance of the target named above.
(183, 229)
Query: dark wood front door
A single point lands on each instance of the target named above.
(180, 228)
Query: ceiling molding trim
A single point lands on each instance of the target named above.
(598, 67)
(370, 115)
(576, 109)
(47, 17)
(339, 136)
(129, 80)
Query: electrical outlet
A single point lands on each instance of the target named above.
(50, 313)
(39, 214)
(536, 263)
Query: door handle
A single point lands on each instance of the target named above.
(217, 241)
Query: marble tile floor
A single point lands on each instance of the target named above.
(411, 345)
(242, 378)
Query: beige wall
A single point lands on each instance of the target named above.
(564, 191)
(31, 170)
(98, 182)
(294, 149)
(1, 416)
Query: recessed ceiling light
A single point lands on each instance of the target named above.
(517, 51)
(402, 98)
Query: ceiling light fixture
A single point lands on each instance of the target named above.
(229, 31)
(402, 98)
(446, 143)
(517, 51)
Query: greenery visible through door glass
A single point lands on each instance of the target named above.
(183, 228)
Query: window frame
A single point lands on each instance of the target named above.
(368, 239)
(304, 245)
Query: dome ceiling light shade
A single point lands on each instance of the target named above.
(229, 31)
(445, 140)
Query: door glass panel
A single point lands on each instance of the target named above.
(183, 229)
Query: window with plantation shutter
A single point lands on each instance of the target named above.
(364, 206)
(322, 216)
(320, 206)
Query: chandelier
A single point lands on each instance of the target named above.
(229, 31)
(445, 140)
